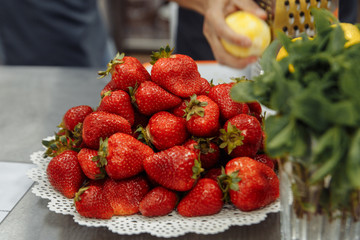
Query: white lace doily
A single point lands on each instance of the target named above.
(172, 225)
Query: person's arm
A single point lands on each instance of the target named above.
(214, 12)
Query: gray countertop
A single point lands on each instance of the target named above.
(32, 103)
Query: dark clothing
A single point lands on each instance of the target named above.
(189, 38)
(52, 32)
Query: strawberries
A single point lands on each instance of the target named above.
(69, 135)
(176, 168)
(158, 202)
(91, 202)
(122, 155)
(208, 151)
(202, 116)
(252, 184)
(265, 159)
(176, 73)
(241, 136)
(228, 107)
(102, 125)
(150, 98)
(125, 72)
(90, 164)
(74, 116)
(206, 198)
(65, 174)
(166, 130)
(159, 143)
(118, 102)
(125, 195)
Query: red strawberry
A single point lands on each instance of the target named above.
(255, 107)
(209, 152)
(213, 173)
(176, 73)
(241, 136)
(91, 202)
(125, 195)
(166, 130)
(228, 107)
(256, 110)
(180, 110)
(264, 158)
(176, 168)
(65, 174)
(125, 72)
(123, 155)
(158, 202)
(89, 164)
(202, 117)
(118, 102)
(206, 198)
(150, 98)
(69, 135)
(102, 125)
(74, 116)
(253, 185)
(205, 87)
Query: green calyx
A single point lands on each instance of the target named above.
(239, 79)
(197, 169)
(162, 53)
(231, 138)
(79, 193)
(64, 140)
(118, 59)
(203, 144)
(102, 153)
(228, 182)
(144, 136)
(194, 107)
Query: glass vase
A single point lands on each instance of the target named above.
(311, 226)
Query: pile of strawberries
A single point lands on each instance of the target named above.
(159, 142)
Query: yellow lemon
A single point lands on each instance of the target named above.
(247, 24)
(351, 33)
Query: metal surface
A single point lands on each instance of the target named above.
(32, 102)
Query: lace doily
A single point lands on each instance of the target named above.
(172, 225)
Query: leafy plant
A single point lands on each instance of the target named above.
(317, 120)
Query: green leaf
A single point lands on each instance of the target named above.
(329, 151)
(323, 19)
(349, 82)
(345, 113)
(337, 40)
(284, 136)
(243, 92)
(353, 161)
(269, 55)
(311, 107)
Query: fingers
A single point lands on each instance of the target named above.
(215, 29)
(252, 7)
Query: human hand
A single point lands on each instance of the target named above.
(215, 28)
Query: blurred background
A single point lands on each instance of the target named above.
(38, 27)
(139, 27)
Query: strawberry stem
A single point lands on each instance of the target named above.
(194, 107)
(231, 138)
(118, 59)
(162, 53)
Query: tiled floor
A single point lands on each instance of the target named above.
(13, 185)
